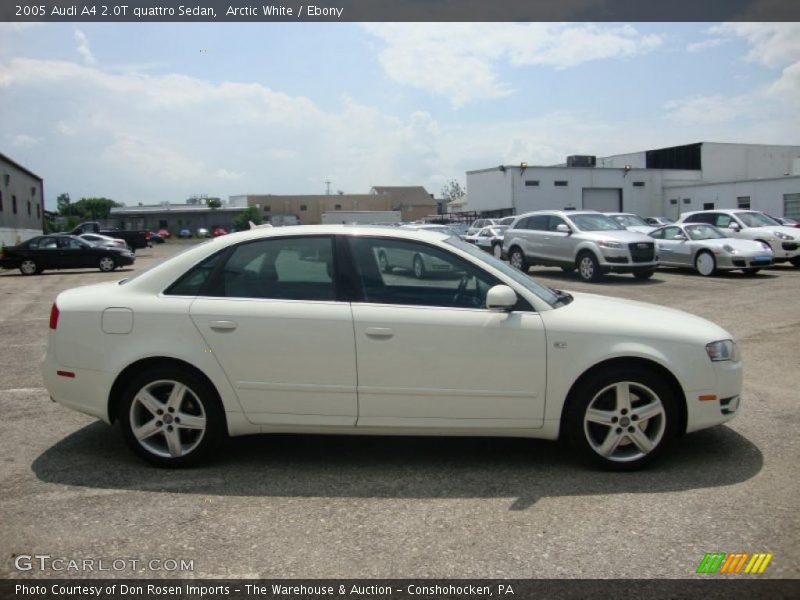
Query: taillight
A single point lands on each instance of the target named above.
(54, 312)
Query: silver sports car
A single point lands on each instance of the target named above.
(706, 249)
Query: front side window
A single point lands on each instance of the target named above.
(756, 219)
(630, 220)
(298, 268)
(669, 233)
(412, 274)
(722, 220)
(704, 232)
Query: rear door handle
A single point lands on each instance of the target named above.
(223, 325)
(379, 332)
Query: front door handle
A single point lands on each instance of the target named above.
(379, 332)
(223, 325)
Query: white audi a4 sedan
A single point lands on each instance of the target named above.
(300, 330)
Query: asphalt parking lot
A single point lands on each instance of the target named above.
(327, 506)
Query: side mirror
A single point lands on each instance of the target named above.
(562, 228)
(501, 297)
(734, 225)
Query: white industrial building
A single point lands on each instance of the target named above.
(662, 182)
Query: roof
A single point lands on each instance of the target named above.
(19, 166)
(405, 195)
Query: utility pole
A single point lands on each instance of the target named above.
(327, 187)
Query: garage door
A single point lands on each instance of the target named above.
(791, 206)
(602, 199)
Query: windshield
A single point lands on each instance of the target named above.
(529, 284)
(595, 222)
(630, 220)
(499, 229)
(756, 219)
(704, 232)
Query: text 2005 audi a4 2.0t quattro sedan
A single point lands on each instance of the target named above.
(300, 330)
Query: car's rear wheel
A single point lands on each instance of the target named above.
(419, 267)
(29, 267)
(106, 264)
(622, 418)
(517, 260)
(588, 267)
(705, 263)
(171, 417)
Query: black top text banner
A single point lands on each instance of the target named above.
(398, 10)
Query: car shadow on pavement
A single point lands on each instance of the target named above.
(607, 279)
(49, 272)
(397, 467)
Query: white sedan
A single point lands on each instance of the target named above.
(300, 330)
(104, 240)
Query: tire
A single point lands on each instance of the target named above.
(621, 418)
(705, 263)
(588, 267)
(750, 272)
(568, 270)
(383, 263)
(497, 251)
(187, 429)
(647, 274)
(517, 259)
(106, 264)
(29, 267)
(419, 267)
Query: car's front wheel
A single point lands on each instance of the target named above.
(497, 251)
(588, 267)
(171, 417)
(29, 267)
(106, 264)
(705, 263)
(622, 418)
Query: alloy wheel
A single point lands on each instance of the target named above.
(587, 268)
(705, 264)
(167, 418)
(624, 422)
(28, 267)
(106, 264)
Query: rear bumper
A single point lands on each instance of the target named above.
(86, 391)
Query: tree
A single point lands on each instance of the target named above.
(63, 204)
(452, 191)
(242, 220)
(94, 209)
(213, 203)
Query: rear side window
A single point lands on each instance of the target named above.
(298, 268)
(192, 283)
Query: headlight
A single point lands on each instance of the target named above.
(609, 244)
(723, 350)
(783, 236)
(766, 246)
(729, 249)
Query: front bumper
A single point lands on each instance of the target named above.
(739, 261)
(709, 407)
(785, 249)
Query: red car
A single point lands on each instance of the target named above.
(218, 231)
(164, 233)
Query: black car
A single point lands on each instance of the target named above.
(62, 252)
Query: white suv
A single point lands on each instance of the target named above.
(752, 225)
(588, 241)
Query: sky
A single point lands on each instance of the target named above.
(149, 113)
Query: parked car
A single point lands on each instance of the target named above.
(785, 221)
(155, 238)
(421, 264)
(632, 222)
(164, 233)
(460, 228)
(479, 224)
(202, 232)
(589, 241)
(218, 231)
(185, 233)
(752, 225)
(135, 239)
(490, 239)
(658, 221)
(342, 347)
(707, 250)
(431, 227)
(60, 251)
(104, 240)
